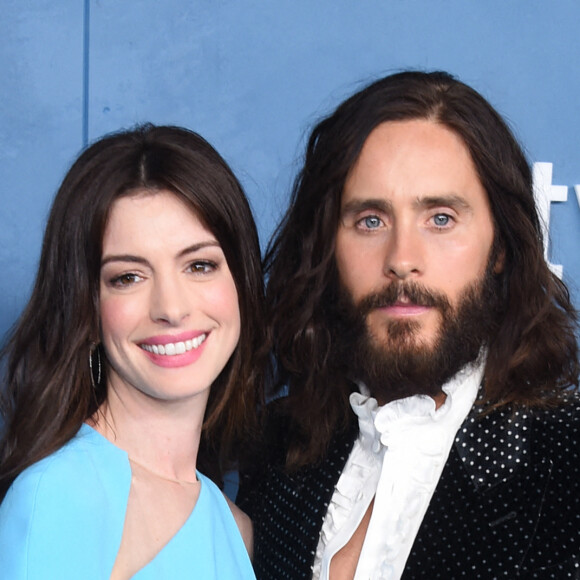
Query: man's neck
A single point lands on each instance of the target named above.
(439, 399)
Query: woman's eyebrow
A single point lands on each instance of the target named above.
(130, 258)
(198, 246)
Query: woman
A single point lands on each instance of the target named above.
(141, 336)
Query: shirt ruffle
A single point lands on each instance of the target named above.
(397, 459)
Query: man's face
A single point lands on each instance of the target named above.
(415, 235)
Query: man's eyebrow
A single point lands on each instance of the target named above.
(453, 200)
(450, 200)
(356, 206)
(129, 258)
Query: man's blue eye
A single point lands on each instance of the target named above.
(372, 222)
(441, 219)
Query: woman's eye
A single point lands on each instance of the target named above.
(125, 280)
(441, 220)
(371, 222)
(203, 267)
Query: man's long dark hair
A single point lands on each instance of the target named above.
(46, 394)
(533, 358)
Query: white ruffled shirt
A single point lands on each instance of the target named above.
(397, 459)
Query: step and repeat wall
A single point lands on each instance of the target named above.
(253, 77)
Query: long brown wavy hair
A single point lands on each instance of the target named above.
(533, 357)
(47, 392)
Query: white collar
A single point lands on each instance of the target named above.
(376, 422)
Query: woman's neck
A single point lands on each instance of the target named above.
(159, 436)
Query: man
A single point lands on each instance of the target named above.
(429, 428)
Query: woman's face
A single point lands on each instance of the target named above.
(169, 309)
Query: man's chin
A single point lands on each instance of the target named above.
(396, 351)
(404, 335)
(401, 368)
(405, 358)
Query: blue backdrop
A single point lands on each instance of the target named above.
(252, 77)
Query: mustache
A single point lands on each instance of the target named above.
(410, 292)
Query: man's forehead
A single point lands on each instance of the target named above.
(423, 157)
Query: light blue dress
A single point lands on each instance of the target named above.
(63, 519)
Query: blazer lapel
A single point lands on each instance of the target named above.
(485, 509)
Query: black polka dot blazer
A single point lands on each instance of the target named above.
(507, 504)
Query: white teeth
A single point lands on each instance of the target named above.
(173, 348)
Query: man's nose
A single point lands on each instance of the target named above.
(404, 253)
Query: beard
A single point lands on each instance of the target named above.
(400, 364)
